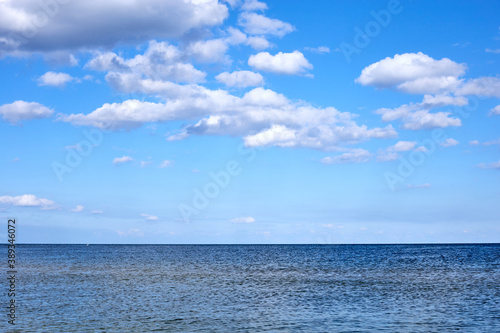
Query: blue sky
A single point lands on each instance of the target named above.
(250, 122)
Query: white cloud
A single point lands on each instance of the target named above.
(55, 79)
(160, 61)
(78, 209)
(21, 110)
(416, 117)
(258, 43)
(403, 146)
(483, 86)
(78, 25)
(240, 79)
(281, 63)
(413, 73)
(209, 51)
(391, 153)
(261, 116)
(165, 163)
(320, 49)
(494, 165)
(150, 217)
(355, 156)
(450, 142)
(277, 135)
(495, 111)
(96, 212)
(257, 24)
(27, 200)
(474, 143)
(145, 163)
(253, 5)
(122, 160)
(243, 220)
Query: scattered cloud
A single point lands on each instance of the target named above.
(243, 220)
(27, 200)
(483, 86)
(240, 79)
(450, 142)
(355, 156)
(402, 146)
(320, 49)
(78, 208)
(145, 163)
(253, 5)
(474, 143)
(21, 110)
(54, 79)
(415, 73)
(262, 116)
(495, 111)
(122, 160)
(96, 212)
(282, 63)
(150, 217)
(257, 24)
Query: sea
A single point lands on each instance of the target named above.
(255, 288)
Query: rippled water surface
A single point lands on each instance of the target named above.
(258, 288)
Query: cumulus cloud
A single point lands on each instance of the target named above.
(122, 160)
(160, 61)
(355, 156)
(77, 25)
(21, 110)
(450, 142)
(403, 146)
(392, 152)
(240, 79)
(483, 86)
(149, 217)
(495, 111)
(78, 208)
(55, 79)
(253, 5)
(243, 220)
(418, 116)
(413, 73)
(257, 24)
(261, 116)
(27, 200)
(282, 63)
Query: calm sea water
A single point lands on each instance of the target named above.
(258, 288)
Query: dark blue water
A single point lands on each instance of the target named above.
(258, 288)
